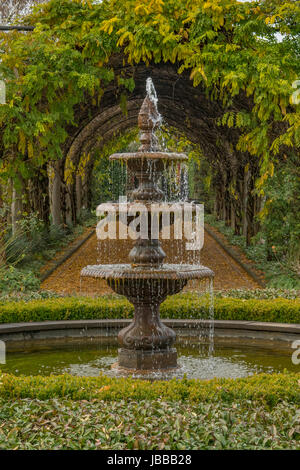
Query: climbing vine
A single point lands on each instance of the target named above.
(244, 55)
(229, 48)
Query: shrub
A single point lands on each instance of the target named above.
(268, 388)
(187, 305)
(6, 297)
(268, 293)
(13, 279)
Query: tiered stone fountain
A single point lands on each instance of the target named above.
(147, 344)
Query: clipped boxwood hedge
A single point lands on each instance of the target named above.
(186, 305)
(268, 388)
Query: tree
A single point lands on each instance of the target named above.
(59, 78)
(11, 9)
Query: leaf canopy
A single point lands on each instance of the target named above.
(229, 48)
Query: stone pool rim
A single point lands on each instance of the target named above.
(248, 333)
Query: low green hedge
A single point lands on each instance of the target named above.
(268, 388)
(187, 305)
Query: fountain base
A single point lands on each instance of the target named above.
(146, 343)
(131, 359)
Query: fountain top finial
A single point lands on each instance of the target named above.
(149, 119)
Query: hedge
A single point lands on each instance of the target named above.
(187, 305)
(268, 388)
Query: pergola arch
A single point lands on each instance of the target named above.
(181, 104)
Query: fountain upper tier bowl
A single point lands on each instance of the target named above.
(147, 166)
(165, 156)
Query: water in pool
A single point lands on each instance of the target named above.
(95, 358)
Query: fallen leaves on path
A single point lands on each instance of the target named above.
(66, 278)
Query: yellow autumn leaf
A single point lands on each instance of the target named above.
(22, 142)
(141, 10)
(30, 149)
(282, 106)
(108, 25)
(221, 20)
(158, 4)
(26, 101)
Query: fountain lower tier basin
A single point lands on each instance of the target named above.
(168, 272)
(93, 356)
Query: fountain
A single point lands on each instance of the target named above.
(147, 344)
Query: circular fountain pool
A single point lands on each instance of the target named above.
(92, 358)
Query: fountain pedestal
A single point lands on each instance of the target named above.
(146, 343)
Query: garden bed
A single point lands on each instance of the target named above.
(65, 424)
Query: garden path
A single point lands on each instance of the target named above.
(66, 278)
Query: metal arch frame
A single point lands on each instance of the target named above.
(16, 28)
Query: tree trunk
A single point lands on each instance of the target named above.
(79, 201)
(245, 203)
(70, 205)
(16, 210)
(55, 187)
(2, 241)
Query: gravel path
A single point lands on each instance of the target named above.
(66, 278)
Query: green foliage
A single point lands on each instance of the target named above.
(280, 273)
(228, 47)
(30, 239)
(268, 388)
(281, 222)
(62, 424)
(180, 306)
(268, 293)
(26, 296)
(109, 180)
(13, 279)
